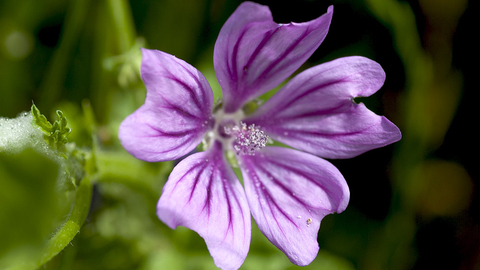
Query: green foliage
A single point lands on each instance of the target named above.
(77, 162)
(29, 206)
(46, 191)
(56, 133)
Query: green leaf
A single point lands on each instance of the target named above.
(56, 133)
(32, 229)
(41, 121)
(29, 206)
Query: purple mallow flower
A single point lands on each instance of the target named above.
(287, 191)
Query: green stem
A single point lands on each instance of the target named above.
(123, 25)
(68, 231)
(56, 74)
(114, 35)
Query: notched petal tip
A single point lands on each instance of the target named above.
(289, 193)
(175, 83)
(176, 113)
(253, 54)
(315, 111)
(203, 194)
(393, 132)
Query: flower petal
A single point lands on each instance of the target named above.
(253, 54)
(289, 192)
(176, 113)
(203, 194)
(315, 112)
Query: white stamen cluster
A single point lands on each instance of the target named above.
(247, 139)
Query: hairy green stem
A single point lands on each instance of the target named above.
(72, 226)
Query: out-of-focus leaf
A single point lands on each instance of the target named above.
(121, 234)
(29, 207)
(120, 167)
(447, 188)
(278, 261)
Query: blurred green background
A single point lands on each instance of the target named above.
(413, 204)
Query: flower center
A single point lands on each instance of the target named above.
(235, 135)
(247, 139)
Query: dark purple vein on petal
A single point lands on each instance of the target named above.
(227, 198)
(197, 81)
(298, 172)
(289, 49)
(189, 90)
(316, 88)
(229, 194)
(306, 93)
(284, 188)
(180, 110)
(233, 58)
(302, 174)
(270, 201)
(165, 151)
(208, 199)
(296, 133)
(169, 105)
(283, 119)
(188, 132)
(197, 178)
(260, 46)
(241, 211)
(185, 175)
